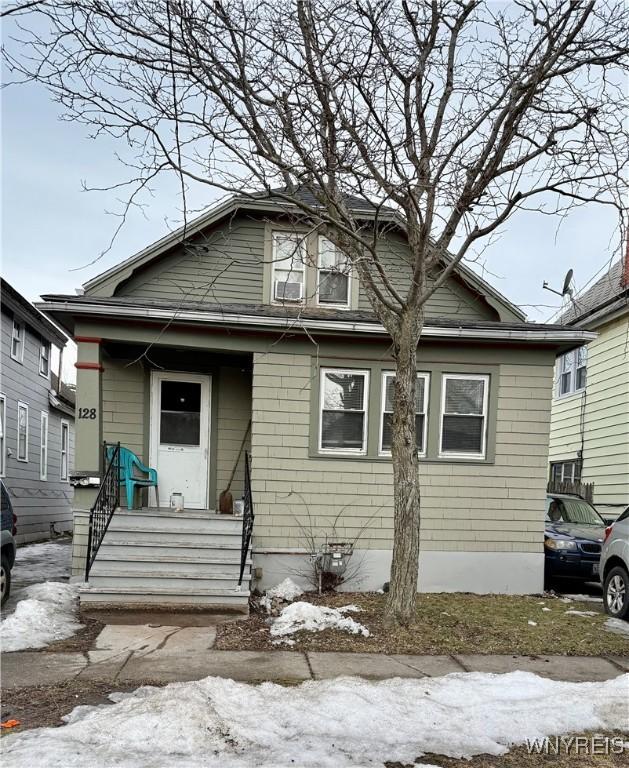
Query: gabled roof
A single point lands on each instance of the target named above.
(16, 303)
(273, 203)
(608, 295)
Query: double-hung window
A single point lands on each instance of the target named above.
(565, 471)
(289, 267)
(43, 447)
(343, 411)
(421, 409)
(3, 439)
(22, 432)
(572, 368)
(333, 276)
(17, 341)
(44, 359)
(65, 449)
(464, 415)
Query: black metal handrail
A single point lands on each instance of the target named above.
(107, 501)
(247, 519)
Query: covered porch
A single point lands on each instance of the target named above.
(183, 412)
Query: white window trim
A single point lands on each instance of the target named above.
(65, 425)
(559, 395)
(41, 357)
(23, 406)
(43, 447)
(20, 358)
(457, 454)
(383, 397)
(329, 304)
(3, 448)
(344, 451)
(276, 265)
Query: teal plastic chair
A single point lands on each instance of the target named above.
(129, 463)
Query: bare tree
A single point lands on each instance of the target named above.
(450, 113)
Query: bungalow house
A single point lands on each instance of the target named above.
(589, 433)
(253, 330)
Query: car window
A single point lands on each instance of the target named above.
(573, 511)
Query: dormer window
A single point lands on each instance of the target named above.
(333, 276)
(289, 268)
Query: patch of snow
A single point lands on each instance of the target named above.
(586, 598)
(617, 626)
(532, 623)
(315, 618)
(286, 590)
(47, 613)
(582, 613)
(340, 723)
(545, 609)
(283, 641)
(350, 608)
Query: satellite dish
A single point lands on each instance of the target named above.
(566, 283)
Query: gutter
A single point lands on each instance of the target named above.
(565, 335)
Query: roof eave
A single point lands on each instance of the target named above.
(560, 335)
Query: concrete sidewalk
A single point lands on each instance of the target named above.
(181, 661)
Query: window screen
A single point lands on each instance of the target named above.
(464, 404)
(343, 416)
(180, 418)
(421, 397)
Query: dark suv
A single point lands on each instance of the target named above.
(8, 542)
(573, 537)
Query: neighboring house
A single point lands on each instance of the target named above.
(36, 421)
(589, 437)
(256, 318)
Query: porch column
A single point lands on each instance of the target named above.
(88, 423)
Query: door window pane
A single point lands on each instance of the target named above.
(180, 418)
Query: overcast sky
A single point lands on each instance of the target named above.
(50, 226)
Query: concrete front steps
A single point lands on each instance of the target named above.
(178, 560)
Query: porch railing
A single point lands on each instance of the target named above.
(107, 501)
(247, 519)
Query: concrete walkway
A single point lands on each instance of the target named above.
(175, 659)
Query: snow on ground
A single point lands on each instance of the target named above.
(286, 591)
(315, 618)
(617, 626)
(46, 613)
(336, 723)
(582, 613)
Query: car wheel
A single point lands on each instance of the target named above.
(616, 593)
(5, 579)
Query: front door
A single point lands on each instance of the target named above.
(180, 436)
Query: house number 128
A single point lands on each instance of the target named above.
(87, 413)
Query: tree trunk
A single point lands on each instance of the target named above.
(400, 607)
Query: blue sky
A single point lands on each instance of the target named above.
(50, 226)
